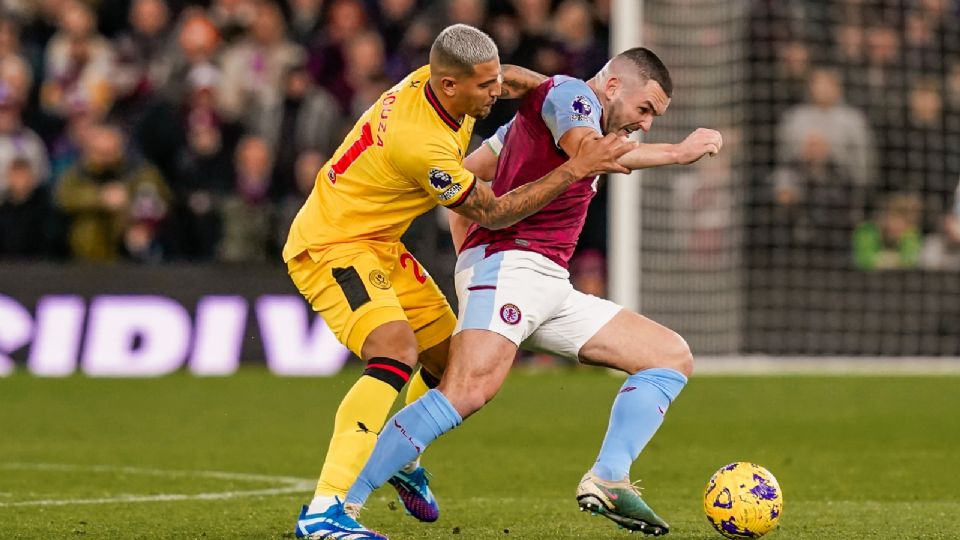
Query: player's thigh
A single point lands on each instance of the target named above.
(580, 318)
(353, 294)
(632, 343)
(506, 294)
(425, 307)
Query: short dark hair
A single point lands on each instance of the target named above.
(650, 67)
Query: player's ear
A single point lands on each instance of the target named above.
(612, 87)
(448, 85)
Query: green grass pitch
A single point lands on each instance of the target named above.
(182, 457)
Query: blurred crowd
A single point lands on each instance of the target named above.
(855, 125)
(155, 130)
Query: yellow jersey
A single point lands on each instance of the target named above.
(403, 157)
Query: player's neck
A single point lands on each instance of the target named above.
(594, 85)
(446, 101)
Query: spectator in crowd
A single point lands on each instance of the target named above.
(9, 36)
(198, 44)
(843, 127)
(892, 240)
(884, 82)
(573, 30)
(414, 49)
(792, 72)
(27, 218)
(305, 17)
(308, 118)
(254, 67)
(144, 58)
(396, 16)
(704, 206)
(472, 12)
(327, 54)
(534, 16)
(233, 17)
(813, 205)
(17, 140)
(941, 250)
(365, 74)
(203, 167)
(922, 164)
(306, 167)
(78, 65)
(248, 214)
(116, 203)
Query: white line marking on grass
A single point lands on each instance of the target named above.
(287, 484)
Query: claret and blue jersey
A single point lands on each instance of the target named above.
(528, 149)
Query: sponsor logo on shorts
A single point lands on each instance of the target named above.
(510, 314)
(379, 279)
(440, 180)
(450, 193)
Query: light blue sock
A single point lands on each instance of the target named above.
(637, 414)
(403, 439)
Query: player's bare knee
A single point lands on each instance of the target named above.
(678, 356)
(394, 340)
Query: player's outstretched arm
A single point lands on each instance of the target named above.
(595, 155)
(701, 142)
(517, 81)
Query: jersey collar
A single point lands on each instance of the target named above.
(449, 120)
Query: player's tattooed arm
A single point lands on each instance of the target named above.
(518, 81)
(595, 155)
(482, 162)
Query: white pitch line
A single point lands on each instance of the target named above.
(288, 485)
(220, 475)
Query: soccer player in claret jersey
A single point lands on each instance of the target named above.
(514, 288)
(403, 157)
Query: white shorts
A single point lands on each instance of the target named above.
(528, 299)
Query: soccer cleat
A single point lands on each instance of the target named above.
(619, 502)
(413, 489)
(335, 522)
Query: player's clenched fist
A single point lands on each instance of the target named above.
(701, 142)
(598, 155)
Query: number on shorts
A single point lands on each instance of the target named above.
(417, 271)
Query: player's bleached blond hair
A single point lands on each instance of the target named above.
(460, 47)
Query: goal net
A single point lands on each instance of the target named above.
(829, 225)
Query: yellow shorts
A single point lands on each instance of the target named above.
(359, 286)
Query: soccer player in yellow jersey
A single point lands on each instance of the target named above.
(403, 157)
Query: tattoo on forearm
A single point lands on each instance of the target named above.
(501, 212)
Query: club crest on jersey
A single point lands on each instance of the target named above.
(378, 278)
(440, 180)
(581, 106)
(510, 314)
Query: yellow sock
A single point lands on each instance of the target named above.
(416, 387)
(359, 419)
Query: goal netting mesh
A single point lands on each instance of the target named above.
(829, 225)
